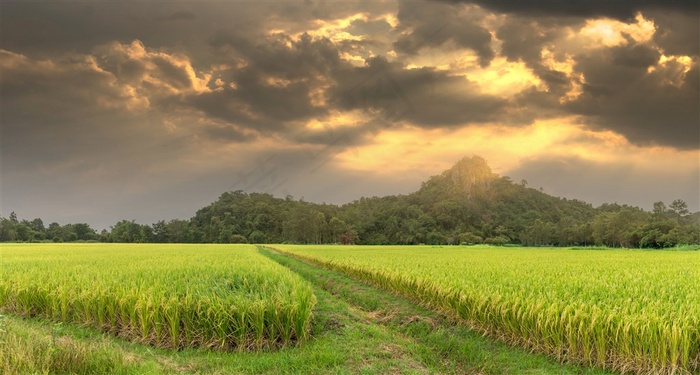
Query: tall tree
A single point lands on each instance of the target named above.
(679, 209)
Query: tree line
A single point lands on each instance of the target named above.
(467, 204)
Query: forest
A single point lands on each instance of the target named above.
(466, 204)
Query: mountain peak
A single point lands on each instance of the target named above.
(467, 176)
(470, 173)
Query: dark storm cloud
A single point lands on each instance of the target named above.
(274, 84)
(622, 10)
(150, 71)
(424, 97)
(245, 104)
(426, 25)
(44, 97)
(657, 107)
(625, 89)
(369, 29)
(619, 93)
(280, 56)
(72, 122)
(634, 56)
(523, 39)
(275, 87)
(677, 33)
(45, 29)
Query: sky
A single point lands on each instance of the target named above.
(150, 110)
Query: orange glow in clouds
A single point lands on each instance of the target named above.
(394, 152)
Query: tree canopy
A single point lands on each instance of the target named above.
(466, 204)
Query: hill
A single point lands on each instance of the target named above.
(467, 203)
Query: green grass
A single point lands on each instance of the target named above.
(42, 347)
(624, 310)
(686, 248)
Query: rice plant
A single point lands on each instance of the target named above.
(176, 296)
(625, 310)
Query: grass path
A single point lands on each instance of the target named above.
(418, 339)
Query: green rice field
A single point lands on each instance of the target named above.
(626, 310)
(176, 296)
